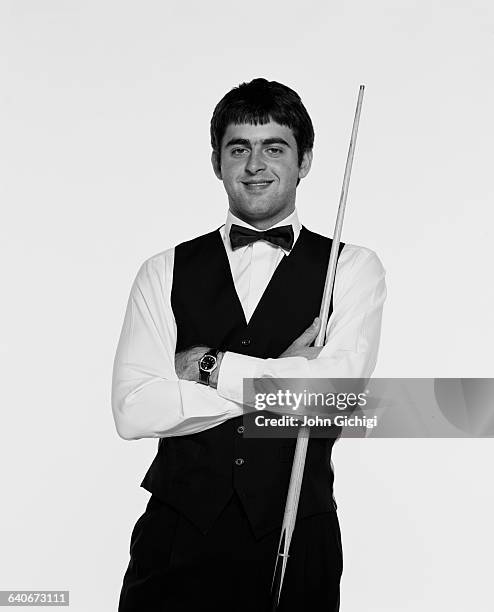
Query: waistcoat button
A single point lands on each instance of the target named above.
(245, 342)
(239, 461)
(241, 429)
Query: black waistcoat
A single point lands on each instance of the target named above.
(197, 474)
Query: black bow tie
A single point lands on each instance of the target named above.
(279, 236)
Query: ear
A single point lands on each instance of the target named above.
(215, 161)
(303, 171)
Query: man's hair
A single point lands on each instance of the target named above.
(260, 102)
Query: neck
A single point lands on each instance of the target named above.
(264, 223)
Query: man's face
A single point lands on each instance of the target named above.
(259, 169)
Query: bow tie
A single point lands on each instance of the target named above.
(279, 236)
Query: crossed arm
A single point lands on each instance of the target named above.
(154, 390)
(186, 362)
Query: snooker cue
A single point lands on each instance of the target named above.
(304, 432)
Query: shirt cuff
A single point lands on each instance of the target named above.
(234, 368)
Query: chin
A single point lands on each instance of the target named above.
(259, 208)
(259, 214)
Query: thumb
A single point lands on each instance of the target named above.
(310, 334)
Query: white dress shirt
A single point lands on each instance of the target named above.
(150, 401)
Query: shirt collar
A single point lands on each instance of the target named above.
(292, 220)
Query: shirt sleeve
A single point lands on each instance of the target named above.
(352, 337)
(148, 399)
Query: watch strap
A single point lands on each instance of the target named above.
(203, 374)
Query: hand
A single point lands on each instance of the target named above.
(300, 346)
(187, 364)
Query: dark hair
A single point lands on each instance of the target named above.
(260, 102)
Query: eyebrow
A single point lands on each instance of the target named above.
(246, 143)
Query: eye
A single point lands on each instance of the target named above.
(238, 151)
(274, 151)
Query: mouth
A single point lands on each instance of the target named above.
(256, 185)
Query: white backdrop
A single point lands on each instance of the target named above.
(105, 109)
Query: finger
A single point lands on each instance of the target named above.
(309, 335)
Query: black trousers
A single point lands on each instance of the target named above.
(175, 567)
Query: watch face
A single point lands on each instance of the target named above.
(207, 363)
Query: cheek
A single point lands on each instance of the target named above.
(229, 174)
(288, 176)
(230, 183)
(285, 170)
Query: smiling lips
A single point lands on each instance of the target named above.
(256, 185)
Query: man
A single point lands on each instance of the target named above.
(239, 302)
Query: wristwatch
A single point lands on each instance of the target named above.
(207, 363)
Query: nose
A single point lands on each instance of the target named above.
(255, 163)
